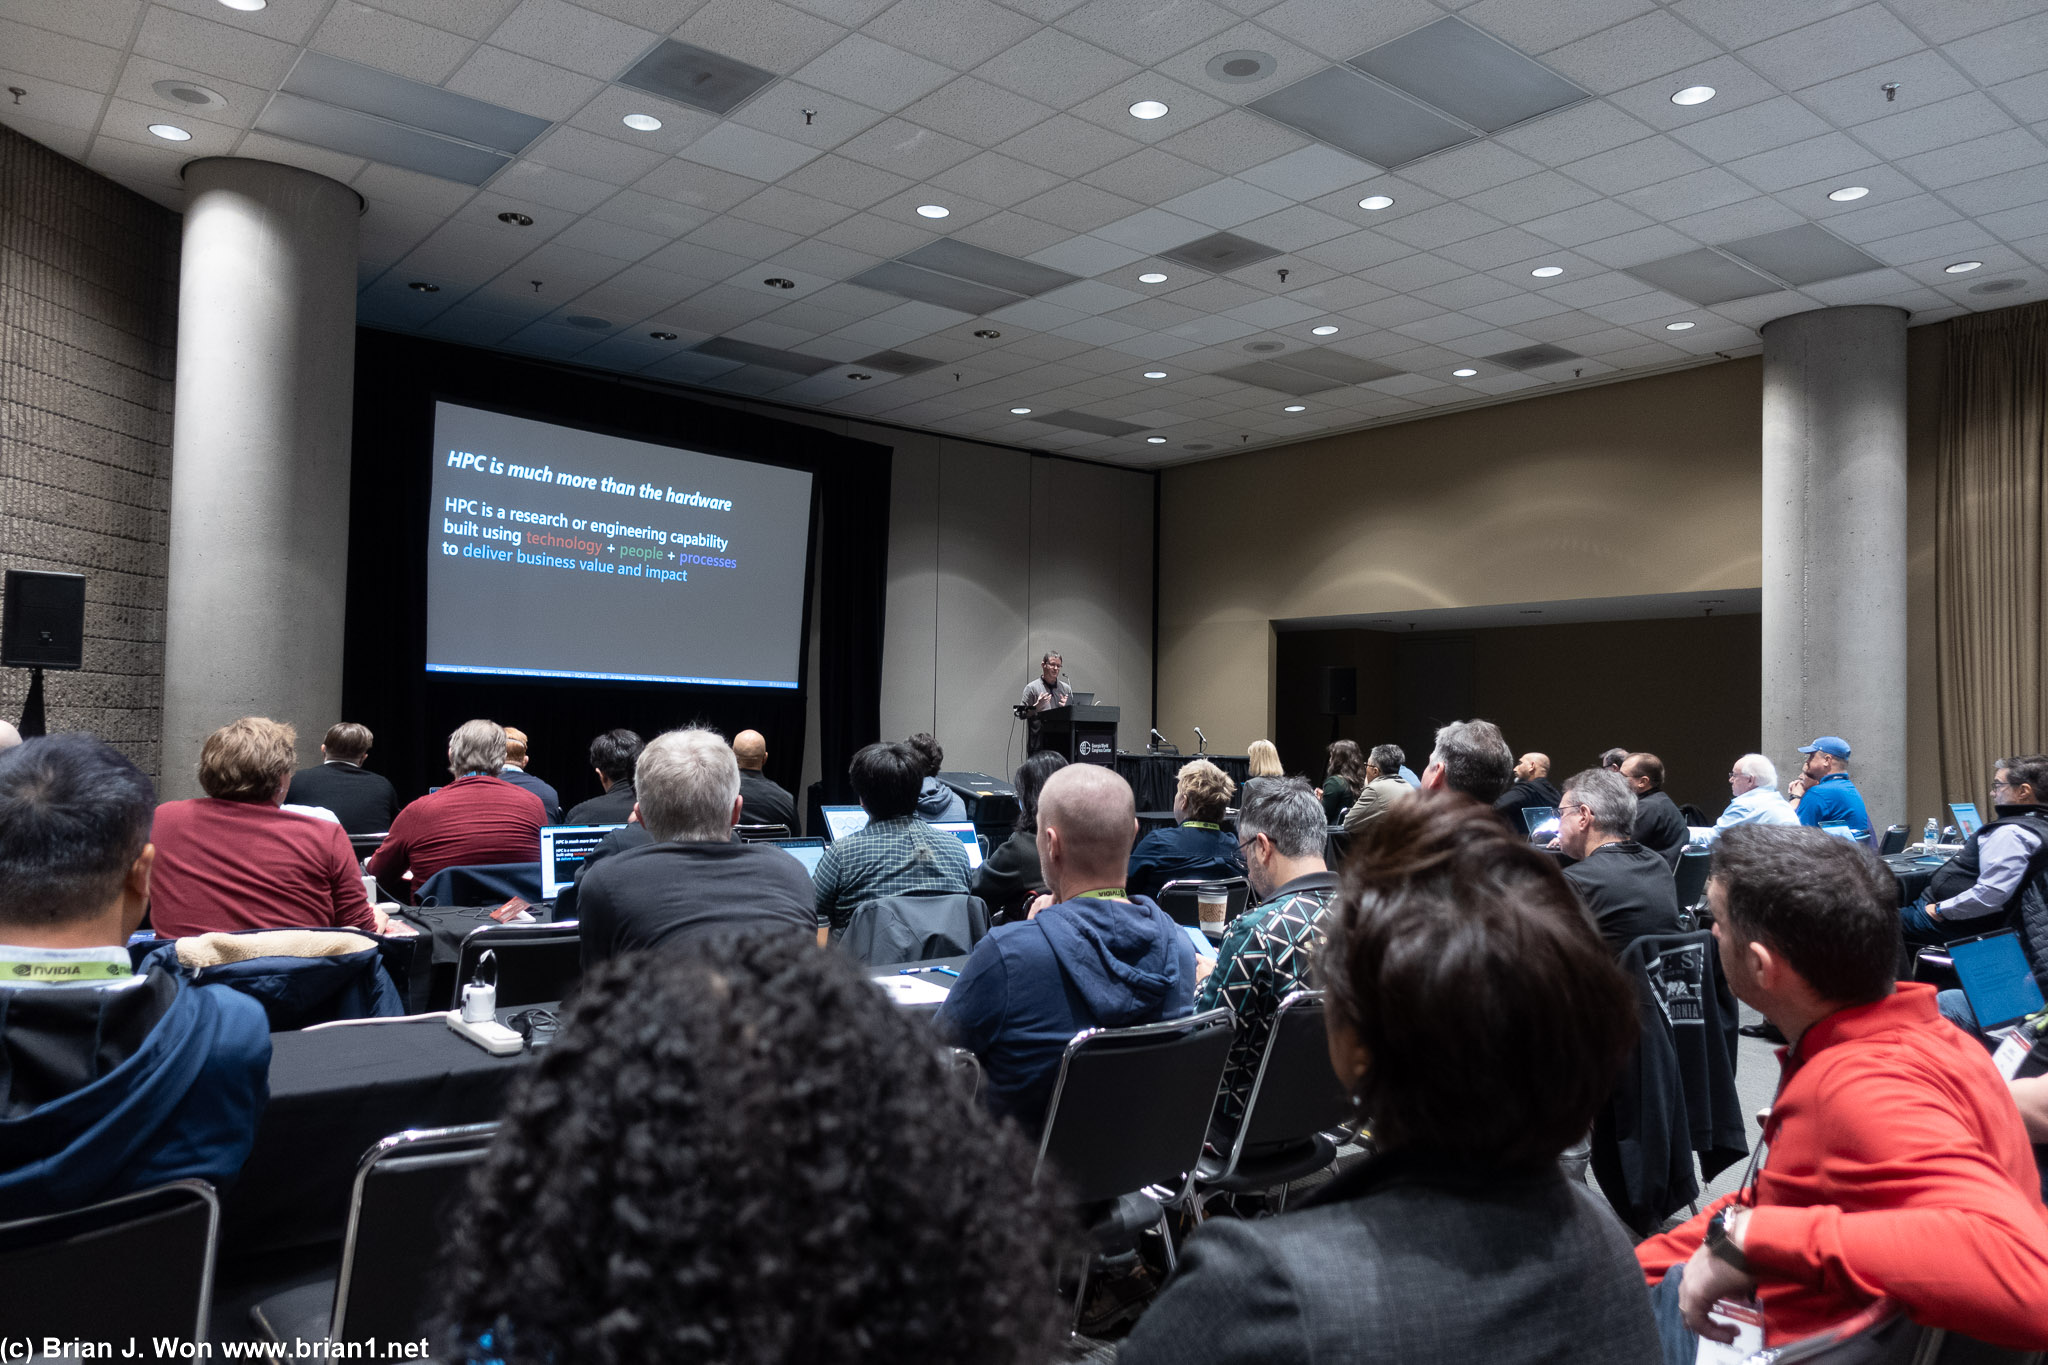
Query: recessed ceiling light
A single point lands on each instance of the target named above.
(1544, 272)
(663, 336)
(1376, 202)
(1155, 440)
(170, 132)
(1155, 374)
(1295, 407)
(1848, 192)
(1963, 267)
(1148, 109)
(424, 287)
(1019, 412)
(641, 123)
(778, 282)
(933, 210)
(1680, 326)
(515, 219)
(1694, 94)
(1464, 374)
(246, 6)
(1152, 277)
(856, 374)
(988, 333)
(1323, 331)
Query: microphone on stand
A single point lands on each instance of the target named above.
(1158, 738)
(1203, 746)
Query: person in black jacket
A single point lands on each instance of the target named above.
(363, 801)
(1626, 888)
(1659, 826)
(764, 798)
(1532, 787)
(613, 755)
(515, 772)
(1461, 1240)
(1009, 877)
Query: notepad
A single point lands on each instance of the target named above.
(913, 990)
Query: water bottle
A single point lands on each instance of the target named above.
(1933, 832)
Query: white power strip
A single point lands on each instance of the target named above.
(492, 1036)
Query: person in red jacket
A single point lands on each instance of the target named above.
(1897, 1165)
(479, 818)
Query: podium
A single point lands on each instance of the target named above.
(1080, 734)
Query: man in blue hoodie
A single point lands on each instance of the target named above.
(1095, 958)
(109, 1081)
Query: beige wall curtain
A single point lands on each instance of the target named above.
(1991, 574)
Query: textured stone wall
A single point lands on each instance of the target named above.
(88, 329)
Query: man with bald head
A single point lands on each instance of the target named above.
(1532, 787)
(1095, 957)
(763, 802)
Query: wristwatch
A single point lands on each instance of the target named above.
(1721, 1244)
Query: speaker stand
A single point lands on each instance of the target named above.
(32, 706)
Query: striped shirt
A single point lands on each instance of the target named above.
(887, 858)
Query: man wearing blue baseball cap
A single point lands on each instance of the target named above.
(1824, 793)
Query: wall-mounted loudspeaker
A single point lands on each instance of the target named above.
(44, 624)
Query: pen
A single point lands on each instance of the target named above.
(919, 971)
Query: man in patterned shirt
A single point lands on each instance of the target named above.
(896, 852)
(1268, 953)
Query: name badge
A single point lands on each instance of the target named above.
(2012, 1052)
(1747, 1318)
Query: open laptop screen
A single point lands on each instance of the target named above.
(1967, 818)
(806, 851)
(562, 850)
(1995, 976)
(964, 832)
(1541, 822)
(841, 821)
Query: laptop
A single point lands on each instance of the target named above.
(562, 850)
(1541, 822)
(1996, 977)
(1967, 818)
(964, 832)
(1082, 699)
(805, 851)
(841, 821)
(1841, 831)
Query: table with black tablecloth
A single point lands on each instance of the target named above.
(1912, 874)
(1153, 777)
(446, 926)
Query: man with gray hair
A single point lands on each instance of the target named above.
(691, 881)
(1383, 786)
(1269, 952)
(1625, 887)
(1470, 757)
(477, 819)
(1754, 782)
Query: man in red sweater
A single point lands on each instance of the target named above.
(478, 818)
(1897, 1165)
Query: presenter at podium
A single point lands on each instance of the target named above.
(1048, 689)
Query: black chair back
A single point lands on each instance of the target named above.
(138, 1265)
(365, 844)
(914, 927)
(1296, 1094)
(538, 964)
(397, 1218)
(1690, 878)
(1181, 899)
(1131, 1106)
(755, 834)
(1894, 841)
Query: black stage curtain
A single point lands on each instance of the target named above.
(385, 684)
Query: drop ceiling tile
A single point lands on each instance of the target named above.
(1801, 163)
(1976, 160)
(411, 190)
(1152, 230)
(903, 148)
(138, 78)
(1961, 119)
(78, 112)
(742, 239)
(184, 40)
(1082, 208)
(1153, 176)
(1629, 52)
(1111, 109)
(1238, 140)
(877, 236)
(1055, 68)
(129, 123)
(1533, 196)
(1745, 132)
(2016, 223)
(1154, 315)
(1069, 146)
(741, 150)
(977, 112)
(1517, 310)
(1036, 314)
(1211, 331)
(1012, 234)
(2014, 188)
(1696, 193)
(1746, 218)
(1434, 227)
(2026, 97)
(1952, 241)
(506, 78)
(1340, 30)
(562, 34)
(1359, 251)
(1633, 248)
(1868, 287)
(1857, 100)
(1738, 23)
(1587, 223)
(1469, 169)
(1640, 308)
(697, 262)
(1225, 203)
(1606, 287)
(1471, 291)
(1832, 47)
(1759, 309)
(1562, 328)
(1290, 62)
(600, 158)
(1098, 331)
(1092, 297)
(391, 43)
(780, 109)
(2004, 53)
(959, 33)
(1309, 172)
(765, 33)
(1631, 167)
(1736, 86)
(1146, 31)
(1492, 249)
(841, 181)
(1085, 256)
(1274, 312)
(874, 74)
(1412, 272)
(1293, 229)
(1574, 134)
(1536, 26)
(1215, 296)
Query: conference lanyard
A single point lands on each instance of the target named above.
(21, 966)
(1200, 824)
(1111, 893)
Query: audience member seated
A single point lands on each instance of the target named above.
(109, 1082)
(1269, 953)
(1659, 826)
(936, 802)
(1470, 757)
(1532, 787)
(476, 820)
(515, 772)
(1343, 779)
(232, 860)
(1973, 892)
(1898, 1165)
(763, 800)
(694, 881)
(364, 802)
(1477, 1020)
(896, 852)
(9, 736)
(1611, 759)
(1383, 786)
(1097, 956)
(1754, 783)
(1625, 887)
(1823, 793)
(1009, 877)
(1263, 760)
(612, 756)
(1196, 847)
(749, 1156)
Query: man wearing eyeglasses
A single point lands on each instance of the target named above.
(1754, 784)
(2008, 856)
(1625, 887)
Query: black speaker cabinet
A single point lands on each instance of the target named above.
(1340, 691)
(44, 624)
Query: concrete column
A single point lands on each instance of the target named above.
(259, 455)
(1834, 551)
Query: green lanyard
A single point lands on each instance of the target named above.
(17, 969)
(1112, 893)
(1200, 824)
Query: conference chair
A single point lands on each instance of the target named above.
(1894, 841)
(138, 1265)
(1689, 882)
(365, 844)
(1180, 899)
(538, 964)
(398, 1211)
(759, 834)
(1882, 1335)
(481, 884)
(1129, 1112)
(914, 927)
(1294, 1100)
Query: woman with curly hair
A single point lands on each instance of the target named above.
(1345, 778)
(747, 1156)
